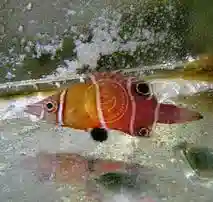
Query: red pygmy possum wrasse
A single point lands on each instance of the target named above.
(109, 101)
(74, 168)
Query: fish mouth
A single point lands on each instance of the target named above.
(35, 109)
(171, 114)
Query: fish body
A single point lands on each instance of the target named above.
(77, 170)
(74, 168)
(109, 101)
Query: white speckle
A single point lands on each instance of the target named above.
(78, 42)
(173, 160)
(82, 79)
(35, 86)
(57, 84)
(11, 50)
(29, 6)
(129, 46)
(190, 59)
(121, 197)
(22, 57)
(72, 65)
(88, 54)
(146, 33)
(3, 166)
(23, 40)
(21, 28)
(23, 153)
(71, 12)
(27, 49)
(33, 21)
(50, 48)
(189, 174)
(9, 75)
(34, 118)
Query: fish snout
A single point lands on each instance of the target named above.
(35, 109)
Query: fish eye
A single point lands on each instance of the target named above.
(51, 106)
(142, 88)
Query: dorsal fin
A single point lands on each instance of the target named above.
(101, 76)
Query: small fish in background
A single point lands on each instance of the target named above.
(109, 101)
(75, 169)
(198, 163)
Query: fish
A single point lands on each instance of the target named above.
(198, 162)
(109, 101)
(73, 168)
(80, 171)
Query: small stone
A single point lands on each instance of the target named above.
(173, 160)
(29, 6)
(9, 75)
(21, 28)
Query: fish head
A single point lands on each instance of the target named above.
(47, 109)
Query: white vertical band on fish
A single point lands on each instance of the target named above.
(157, 111)
(42, 113)
(132, 118)
(98, 101)
(61, 107)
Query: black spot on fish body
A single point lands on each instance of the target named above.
(99, 134)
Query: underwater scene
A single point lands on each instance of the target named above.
(106, 101)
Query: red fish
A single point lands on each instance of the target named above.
(109, 101)
(74, 168)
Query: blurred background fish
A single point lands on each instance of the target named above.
(75, 169)
(199, 163)
(199, 69)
